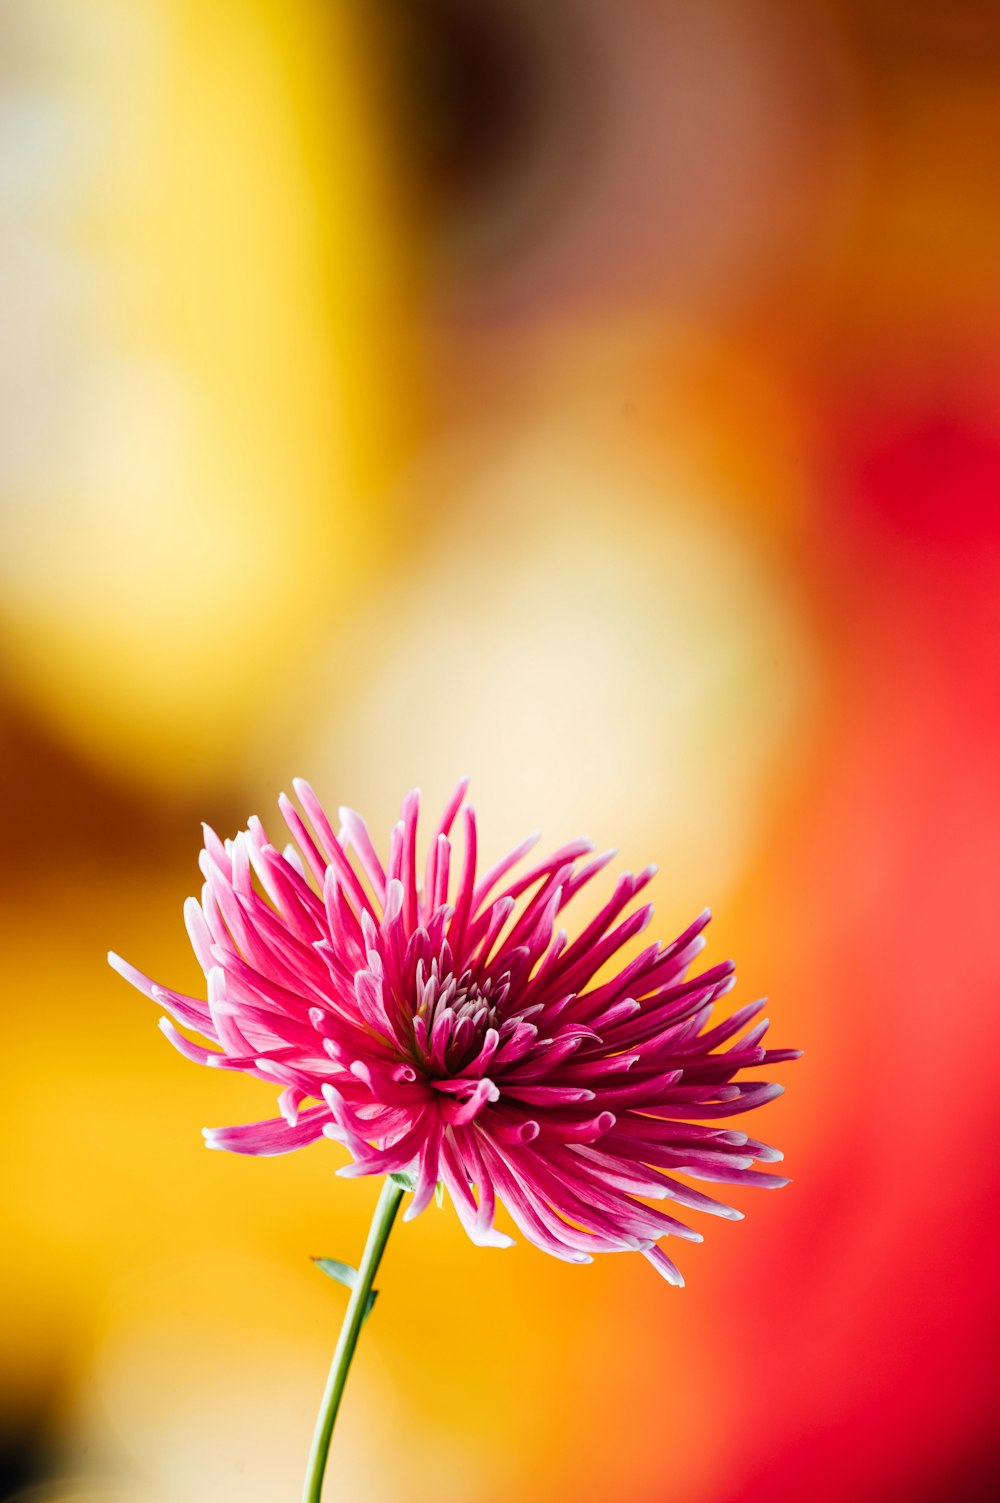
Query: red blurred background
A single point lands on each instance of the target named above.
(600, 400)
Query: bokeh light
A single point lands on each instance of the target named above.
(599, 400)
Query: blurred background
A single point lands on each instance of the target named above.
(599, 399)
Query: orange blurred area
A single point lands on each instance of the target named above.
(600, 400)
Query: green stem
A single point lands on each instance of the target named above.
(378, 1236)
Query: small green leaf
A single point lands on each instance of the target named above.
(346, 1275)
(439, 1194)
(342, 1272)
(404, 1179)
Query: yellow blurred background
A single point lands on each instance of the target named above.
(600, 400)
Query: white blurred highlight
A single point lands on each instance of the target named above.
(207, 1379)
(600, 646)
(196, 385)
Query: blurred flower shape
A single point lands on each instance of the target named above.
(449, 1031)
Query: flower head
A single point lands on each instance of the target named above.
(449, 1029)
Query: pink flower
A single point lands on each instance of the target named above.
(450, 1031)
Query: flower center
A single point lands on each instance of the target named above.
(452, 1017)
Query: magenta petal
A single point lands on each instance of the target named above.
(663, 1266)
(265, 1139)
